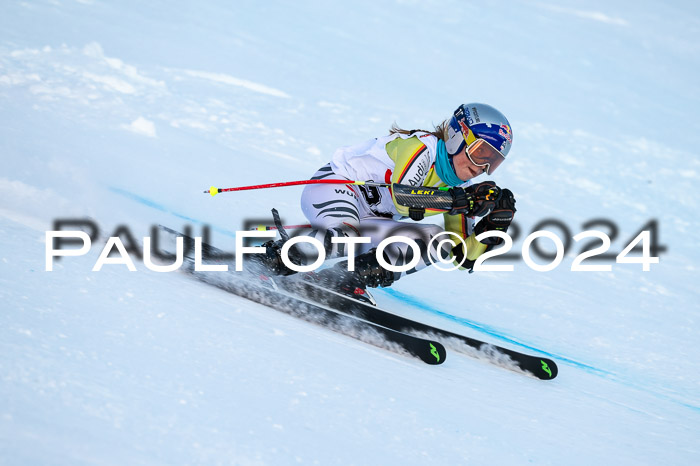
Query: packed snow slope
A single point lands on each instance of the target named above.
(124, 112)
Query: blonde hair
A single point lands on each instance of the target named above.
(440, 131)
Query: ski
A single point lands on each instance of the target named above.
(264, 290)
(304, 285)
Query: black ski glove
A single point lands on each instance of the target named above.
(498, 219)
(476, 200)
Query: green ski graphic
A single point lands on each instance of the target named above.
(545, 368)
(434, 352)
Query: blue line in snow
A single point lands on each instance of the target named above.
(154, 205)
(422, 305)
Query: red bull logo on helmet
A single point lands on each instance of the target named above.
(464, 127)
(505, 132)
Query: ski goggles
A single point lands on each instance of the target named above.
(483, 154)
(480, 152)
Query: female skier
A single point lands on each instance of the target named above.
(475, 140)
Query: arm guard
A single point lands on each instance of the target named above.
(418, 200)
(473, 200)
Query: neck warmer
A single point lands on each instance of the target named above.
(444, 167)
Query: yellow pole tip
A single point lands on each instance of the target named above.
(213, 191)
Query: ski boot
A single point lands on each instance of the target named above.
(271, 261)
(367, 273)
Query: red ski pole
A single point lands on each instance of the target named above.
(214, 190)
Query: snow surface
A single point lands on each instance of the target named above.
(124, 112)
